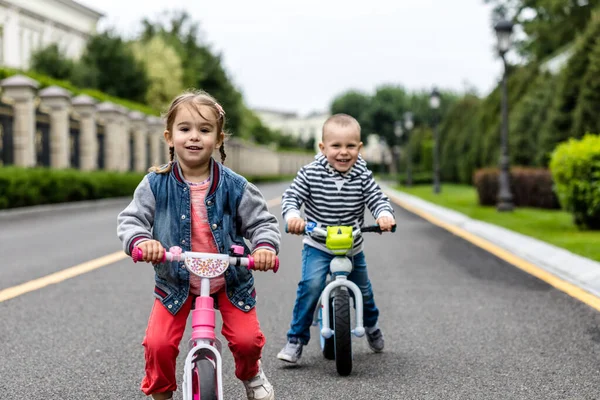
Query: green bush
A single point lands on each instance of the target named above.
(22, 187)
(575, 167)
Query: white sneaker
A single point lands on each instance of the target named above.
(259, 387)
(291, 352)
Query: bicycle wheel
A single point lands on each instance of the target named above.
(207, 379)
(342, 333)
(327, 345)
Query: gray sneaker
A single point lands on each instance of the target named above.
(375, 340)
(291, 352)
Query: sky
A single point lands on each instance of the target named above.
(297, 56)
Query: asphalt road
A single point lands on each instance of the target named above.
(459, 323)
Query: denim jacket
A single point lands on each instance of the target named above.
(161, 209)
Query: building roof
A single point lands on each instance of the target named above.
(80, 7)
(288, 114)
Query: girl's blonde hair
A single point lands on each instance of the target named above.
(194, 98)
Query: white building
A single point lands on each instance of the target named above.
(291, 123)
(29, 25)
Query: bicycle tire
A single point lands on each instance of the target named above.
(207, 379)
(342, 334)
(327, 345)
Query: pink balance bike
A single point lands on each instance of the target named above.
(202, 373)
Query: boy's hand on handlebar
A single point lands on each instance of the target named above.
(296, 225)
(264, 259)
(153, 251)
(386, 223)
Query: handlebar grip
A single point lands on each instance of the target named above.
(375, 228)
(251, 264)
(137, 254)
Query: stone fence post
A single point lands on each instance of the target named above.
(85, 107)
(156, 129)
(139, 127)
(57, 101)
(20, 90)
(111, 115)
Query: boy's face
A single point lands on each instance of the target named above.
(341, 145)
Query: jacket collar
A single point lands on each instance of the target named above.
(215, 175)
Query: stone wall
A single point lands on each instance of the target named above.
(50, 128)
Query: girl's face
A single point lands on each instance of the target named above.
(194, 135)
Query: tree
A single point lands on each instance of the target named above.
(202, 69)
(587, 119)
(527, 120)
(356, 104)
(559, 125)
(109, 65)
(388, 105)
(164, 69)
(548, 24)
(52, 62)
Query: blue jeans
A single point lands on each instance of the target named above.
(315, 267)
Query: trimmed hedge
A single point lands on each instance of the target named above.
(575, 167)
(531, 187)
(23, 187)
(418, 178)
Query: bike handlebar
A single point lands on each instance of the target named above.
(137, 254)
(369, 228)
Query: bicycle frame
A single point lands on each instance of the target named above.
(204, 342)
(340, 267)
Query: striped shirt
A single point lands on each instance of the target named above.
(332, 198)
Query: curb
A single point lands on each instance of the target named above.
(48, 209)
(573, 274)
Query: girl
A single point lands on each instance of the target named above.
(199, 205)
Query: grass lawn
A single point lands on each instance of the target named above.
(554, 227)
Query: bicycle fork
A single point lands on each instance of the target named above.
(340, 281)
(207, 351)
(205, 342)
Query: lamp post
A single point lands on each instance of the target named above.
(408, 125)
(434, 103)
(398, 132)
(505, 198)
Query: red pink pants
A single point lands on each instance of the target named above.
(165, 330)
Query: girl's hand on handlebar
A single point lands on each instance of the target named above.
(264, 259)
(296, 226)
(153, 251)
(386, 223)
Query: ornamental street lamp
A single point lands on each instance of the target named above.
(505, 198)
(408, 125)
(434, 103)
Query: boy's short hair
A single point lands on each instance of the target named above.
(342, 120)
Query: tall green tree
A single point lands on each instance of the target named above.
(548, 24)
(108, 64)
(51, 61)
(356, 104)
(164, 69)
(202, 68)
(587, 113)
(559, 125)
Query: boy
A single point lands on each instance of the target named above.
(335, 188)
